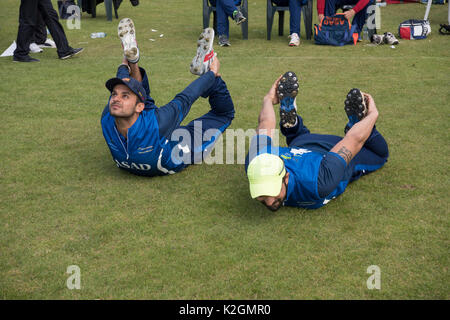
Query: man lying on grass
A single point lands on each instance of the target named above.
(147, 140)
(314, 168)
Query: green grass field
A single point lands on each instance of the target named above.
(198, 234)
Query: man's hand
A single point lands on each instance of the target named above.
(372, 108)
(349, 14)
(272, 95)
(321, 16)
(355, 138)
(215, 66)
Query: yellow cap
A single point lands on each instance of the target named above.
(265, 174)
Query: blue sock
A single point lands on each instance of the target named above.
(287, 104)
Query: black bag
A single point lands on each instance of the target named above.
(63, 6)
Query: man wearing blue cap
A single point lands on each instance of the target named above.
(147, 140)
(314, 168)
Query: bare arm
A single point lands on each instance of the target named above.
(215, 67)
(355, 138)
(266, 118)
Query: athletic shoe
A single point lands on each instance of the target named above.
(71, 53)
(127, 35)
(26, 58)
(34, 48)
(377, 39)
(355, 107)
(134, 3)
(444, 29)
(49, 43)
(389, 38)
(287, 91)
(295, 40)
(223, 41)
(205, 52)
(238, 17)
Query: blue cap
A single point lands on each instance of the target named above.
(131, 83)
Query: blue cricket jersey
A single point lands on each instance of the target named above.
(315, 175)
(142, 153)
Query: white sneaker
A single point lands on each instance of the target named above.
(377, 39)
(35, 48)
(295, 40)
(127, 34)
(205, 52)
(49, 43)
(389, 38)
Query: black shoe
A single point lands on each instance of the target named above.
(355, 107)
(71, 53)
(134, 3)
(287, 91)
(26, 58)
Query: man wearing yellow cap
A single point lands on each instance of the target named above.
(314, 168)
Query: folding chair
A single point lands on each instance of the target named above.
(273, 8)
(108, 8)
(208, 9)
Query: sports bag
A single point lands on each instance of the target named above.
(334, 30)
(414, 29)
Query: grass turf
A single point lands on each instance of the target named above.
(197, 234)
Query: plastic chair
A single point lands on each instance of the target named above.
(208, 9)
(272, 8)
(108, 8)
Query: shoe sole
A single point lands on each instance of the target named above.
(127, 35)
(37, 60)
(204, 52)
(77, 53)
(287, 92)
(355, 105)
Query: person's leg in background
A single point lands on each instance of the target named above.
(360, 18)
(223, 25)
(50, 17)
(330, 7)
(295, 13)
(27, 23)
(40, 30)
(225, 9)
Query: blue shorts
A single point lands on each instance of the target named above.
(333, 168)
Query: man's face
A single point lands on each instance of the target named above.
(275, 203)
(123, 103)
